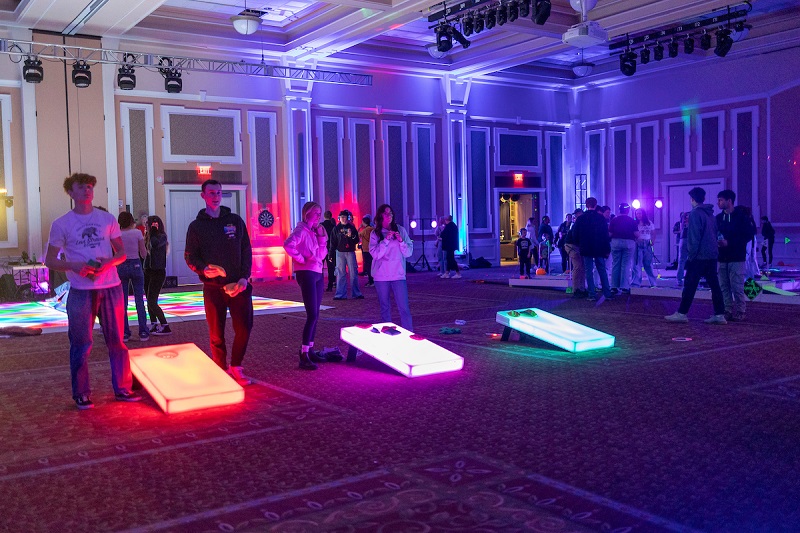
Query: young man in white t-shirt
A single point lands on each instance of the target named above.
(92, 246)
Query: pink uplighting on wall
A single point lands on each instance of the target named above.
(183, 378)
(409, 354)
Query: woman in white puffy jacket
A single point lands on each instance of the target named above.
(390, 246)
(307, 246)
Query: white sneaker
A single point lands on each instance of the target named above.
(446, 275)
(716, 319)
(456, 276)
(677, 317)
(237, 374)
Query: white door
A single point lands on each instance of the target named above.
(183, 206)
(679, 202)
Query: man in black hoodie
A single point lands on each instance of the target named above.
(218, 250)
(736, 231)
(592, 237)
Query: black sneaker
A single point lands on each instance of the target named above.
(316, 356)
(126, 337)
(161, 330)
(84, 402)
(128, 396)
(359, 297)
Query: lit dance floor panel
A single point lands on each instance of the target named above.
(409, 354)
(553, 329)
(51, 316)
(181, 378)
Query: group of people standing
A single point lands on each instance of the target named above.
(388, 246)
(715, 248)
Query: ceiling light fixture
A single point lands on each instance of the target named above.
(583, 68)
(81, 75)
(32, 71)
(627, 63)
(741, 31)
(512, 10)
(688, 44)
(541, 11)
(724, 42)
(172, 76)
(458, 36)
(247, 22)
(444, 39)
(468, 25)
(672, 48)
(491, 18)
(658, 51)
(126, 79)
(524, 8)
(479, 23)
(705, 40)
(644, 55)
(502, 15)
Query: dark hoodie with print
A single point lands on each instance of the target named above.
(221, 241)
(702, 234)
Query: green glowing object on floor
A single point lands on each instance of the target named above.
(555, 330)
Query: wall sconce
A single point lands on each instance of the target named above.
(9, 199)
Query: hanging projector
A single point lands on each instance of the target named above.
(585, 34)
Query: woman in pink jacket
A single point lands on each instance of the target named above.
(307, 246)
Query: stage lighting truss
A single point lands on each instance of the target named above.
(727, 27)
(473, 21)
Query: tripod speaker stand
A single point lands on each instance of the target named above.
(423, 222)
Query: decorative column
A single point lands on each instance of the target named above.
(455, 141)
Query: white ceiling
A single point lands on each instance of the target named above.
(356, 35)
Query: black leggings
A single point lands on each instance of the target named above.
(311, 287)
(153, 281)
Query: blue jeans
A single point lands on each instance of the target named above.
(440, 256)
(644, 258)
(346, 261)
(83, 306)
(400, 290)
(600, 262)
(131, 272)
(622, 251)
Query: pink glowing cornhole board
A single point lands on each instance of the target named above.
(409, 354)
(182, 378)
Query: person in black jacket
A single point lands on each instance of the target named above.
(155, 272)
(330, 260)
(450, 245)
(344, 239)
(768, 232)
(735, 231)
(561, 241)
(592, 238)
(218, 250)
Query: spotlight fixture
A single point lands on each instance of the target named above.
(724, 42)
(502, 15)
(705, 41)
(468, 25)
(740, 31)
(126, 79)
(9, 201)
(672, 47)
(444, 39)
(512, 10)
(491, 18)
(688, 44)
(458, 36)
(479, 22)
(627, 63)
(658, 51)
(172, 81)
(644, 55)
(541, 11)
(524, 8)
(32, 70)
(81, 75)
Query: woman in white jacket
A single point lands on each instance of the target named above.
(390, 245)
(307, 246)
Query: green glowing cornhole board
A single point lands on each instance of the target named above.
(553, 329)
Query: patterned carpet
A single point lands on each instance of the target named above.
(655, 434)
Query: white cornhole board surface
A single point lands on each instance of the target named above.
(181, 377)
(410, 357)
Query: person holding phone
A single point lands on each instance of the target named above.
(390, 246)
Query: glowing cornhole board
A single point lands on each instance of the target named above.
(553, 329)
(182, 378)
(409, 354)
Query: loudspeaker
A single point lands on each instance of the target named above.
(8, 287)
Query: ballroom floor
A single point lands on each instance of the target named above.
(659, 433)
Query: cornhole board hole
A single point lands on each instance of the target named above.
(181, 377)
(400, 349)
(553, 329)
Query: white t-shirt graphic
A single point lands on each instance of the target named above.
(83, 238)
